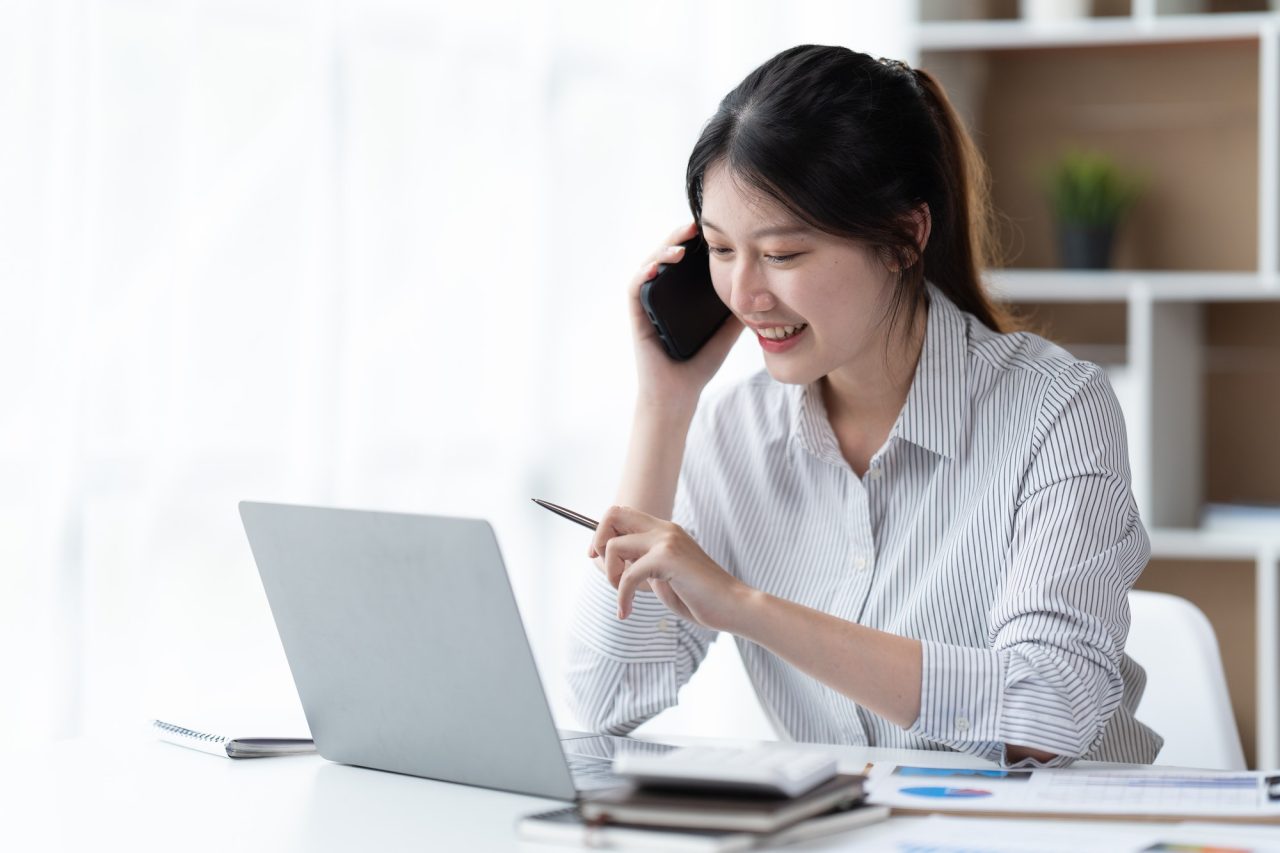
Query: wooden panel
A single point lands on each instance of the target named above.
(1232, 6)
(1029, 106)
(1225, 592)
(996, 10)
(1076, 322)
(1242, 403)
(1094, 331)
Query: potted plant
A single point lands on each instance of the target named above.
(1089, 194)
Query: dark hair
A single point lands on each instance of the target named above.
(852, 146)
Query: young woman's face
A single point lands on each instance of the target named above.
(815, 302)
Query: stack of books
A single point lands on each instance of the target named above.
(645, 817)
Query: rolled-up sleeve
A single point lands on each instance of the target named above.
(1051, 678)
(623, 672)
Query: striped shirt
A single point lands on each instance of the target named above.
(996, 525)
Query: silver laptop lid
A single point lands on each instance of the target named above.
(406, 645)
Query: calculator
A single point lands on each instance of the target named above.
(766, 770)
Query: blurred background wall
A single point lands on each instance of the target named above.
(366, 254)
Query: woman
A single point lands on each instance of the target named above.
(918, 527)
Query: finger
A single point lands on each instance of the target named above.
(641, 570)
(646, 272)
(621, 551)
(603, 533)
(624, 519)
(671, 254)
(684, 232)
(607, 528)
(665, 255)
(598, 562)
(672, 601)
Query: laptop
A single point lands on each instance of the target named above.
(408, 652)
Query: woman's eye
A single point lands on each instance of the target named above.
(773, 259)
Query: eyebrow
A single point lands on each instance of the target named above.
(771, 231)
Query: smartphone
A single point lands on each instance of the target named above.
(682, 304)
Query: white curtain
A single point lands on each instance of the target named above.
(365, 254)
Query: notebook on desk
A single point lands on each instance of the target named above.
(408, 652)
(226, 746)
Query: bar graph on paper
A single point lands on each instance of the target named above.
(1172, 792)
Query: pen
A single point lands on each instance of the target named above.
(567, 513)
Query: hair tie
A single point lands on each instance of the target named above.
(899, 67)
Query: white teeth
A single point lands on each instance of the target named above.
(780, 333)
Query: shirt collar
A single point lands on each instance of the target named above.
(810, 428)
(932, 416)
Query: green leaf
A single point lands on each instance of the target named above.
(1088, 188)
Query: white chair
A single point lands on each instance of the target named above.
(1186, 700)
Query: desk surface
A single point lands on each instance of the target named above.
(146, 795)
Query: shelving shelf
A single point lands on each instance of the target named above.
(1190, 331)
(1193, 543)
(1091, 32)
(1019, 285)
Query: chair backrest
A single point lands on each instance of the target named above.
(1186, 700)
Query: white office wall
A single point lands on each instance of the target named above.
(356, 253)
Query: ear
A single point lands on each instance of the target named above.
(921, 226)
(923, 220)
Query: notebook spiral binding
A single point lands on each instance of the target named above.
(190, 733)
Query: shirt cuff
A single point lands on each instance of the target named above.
(1030, 763)
(647, 635)
(961, 690)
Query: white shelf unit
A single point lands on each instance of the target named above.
(1090, 32)
(1164, 351)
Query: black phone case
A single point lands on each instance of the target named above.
(682, 304)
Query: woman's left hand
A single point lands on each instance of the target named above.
(636, 547)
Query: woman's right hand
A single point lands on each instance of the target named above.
(663, 381)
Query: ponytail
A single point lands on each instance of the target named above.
(956, 258)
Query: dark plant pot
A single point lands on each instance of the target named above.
(1085, 247)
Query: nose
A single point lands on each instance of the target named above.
(749, 290)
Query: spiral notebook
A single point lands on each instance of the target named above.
(232, 747)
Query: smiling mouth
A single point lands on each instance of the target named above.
(781, 333)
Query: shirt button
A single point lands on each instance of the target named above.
(875, 474)
(962, 724)
(860, 563)
(663, 625)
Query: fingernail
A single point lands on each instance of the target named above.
(674, 250)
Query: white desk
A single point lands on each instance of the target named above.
(149, 795)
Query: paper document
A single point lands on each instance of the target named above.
(1157, 793)
(942, 834)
